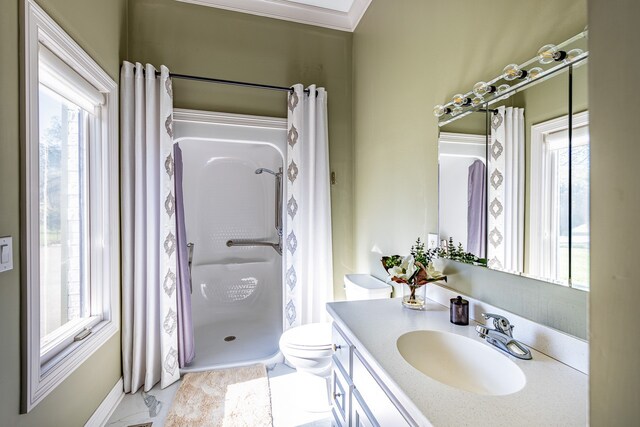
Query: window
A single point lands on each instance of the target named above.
(558, 240)
(70, 200)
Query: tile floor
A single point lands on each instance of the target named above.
(153, 407)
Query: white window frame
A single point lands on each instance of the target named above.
(541, 250)
(42, 373)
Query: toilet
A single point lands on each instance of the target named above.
(364, 286)
(309, 348)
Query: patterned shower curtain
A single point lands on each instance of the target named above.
(308, 252)
(149, 246)
(505, 249)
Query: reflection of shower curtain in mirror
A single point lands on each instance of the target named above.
(505, 249)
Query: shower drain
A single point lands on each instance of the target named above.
(229, 338)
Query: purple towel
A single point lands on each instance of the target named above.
(476, 209)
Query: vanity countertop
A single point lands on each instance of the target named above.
(554, 393)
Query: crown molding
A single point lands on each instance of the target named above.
(295, 12)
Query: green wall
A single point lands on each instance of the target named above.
(409, 56)
(204, 41)
(474, 124)
(614, 381)
(98, 27)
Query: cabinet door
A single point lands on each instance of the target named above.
(342, 348)
(340, 394)
(371, 390)
(361, 416)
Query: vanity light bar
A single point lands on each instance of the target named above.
(463, 104)
(512, 89)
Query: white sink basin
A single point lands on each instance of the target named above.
(461, 362)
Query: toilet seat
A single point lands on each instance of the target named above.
(308, 348)
(313, 336)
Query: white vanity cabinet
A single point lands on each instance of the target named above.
(359, 397)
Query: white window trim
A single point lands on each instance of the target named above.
(539, 197)
(36, 381)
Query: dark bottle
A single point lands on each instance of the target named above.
(459, 310)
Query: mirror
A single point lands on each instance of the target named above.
(514, 178)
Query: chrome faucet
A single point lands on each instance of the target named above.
(502, 337)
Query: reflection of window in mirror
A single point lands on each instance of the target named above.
(549, 243)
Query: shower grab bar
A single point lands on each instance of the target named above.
(278, 212)
(190, 247)
(276, 246)
(278, 199)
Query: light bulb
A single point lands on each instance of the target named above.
(477, 100)
(439, 111)
(535, 72)
(459, 100)
(549, 53)
(546, 52)
(456, 111)
(573, 54)
(512, 72)
(481, 89)
(503, 88)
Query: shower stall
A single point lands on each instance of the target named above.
(233, 202)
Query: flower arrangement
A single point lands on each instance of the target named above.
(413, 271)
(458, 254)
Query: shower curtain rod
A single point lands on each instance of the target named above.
(231, 82)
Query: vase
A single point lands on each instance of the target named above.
(413, 297)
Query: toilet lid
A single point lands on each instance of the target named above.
(313, 335)
(366, 281)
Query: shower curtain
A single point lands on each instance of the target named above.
(505, 249)
(150, 275)
(308, 253)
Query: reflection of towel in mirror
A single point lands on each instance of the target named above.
(476, 212)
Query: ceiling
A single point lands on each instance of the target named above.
(341, 15)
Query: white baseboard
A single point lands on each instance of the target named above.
(565, 348)
(108, 405)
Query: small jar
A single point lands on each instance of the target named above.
(459, 311)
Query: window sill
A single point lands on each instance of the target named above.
(60, 341)
(56, 370)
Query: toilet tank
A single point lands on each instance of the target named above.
(365, 286)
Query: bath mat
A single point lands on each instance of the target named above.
(235, 397)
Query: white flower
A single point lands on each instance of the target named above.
(405, 270)
(432, 273)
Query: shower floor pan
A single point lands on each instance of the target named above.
(235, 343)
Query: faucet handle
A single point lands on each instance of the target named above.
(501, 323)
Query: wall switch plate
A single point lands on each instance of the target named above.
(6, 254)
(432, 241)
